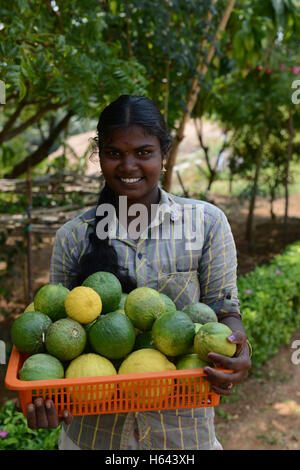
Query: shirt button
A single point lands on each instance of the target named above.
(140, 255)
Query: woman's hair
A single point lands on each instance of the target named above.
(129, 111)
(125, 112)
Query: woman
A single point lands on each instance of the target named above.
(187, 252)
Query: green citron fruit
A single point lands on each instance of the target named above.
(170, 305)
(122, 301)
(112, 336)
(143, 305)
(28, 332)
(212, 337)
(50, 299)
(192, 361)
(197, 328)
(144, 340)
(91, 365)
(173, 333)
(65, 339)
(200, 313)
(109, 288)
(41, 367)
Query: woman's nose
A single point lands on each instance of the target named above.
(128, 162)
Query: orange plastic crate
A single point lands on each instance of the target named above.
(115, 393)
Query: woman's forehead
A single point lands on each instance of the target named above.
(129, 135)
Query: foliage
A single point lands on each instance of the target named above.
(166, 44)
(54, 60)
(19, 436)
(270, 303)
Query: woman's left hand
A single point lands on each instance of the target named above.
(221, 382)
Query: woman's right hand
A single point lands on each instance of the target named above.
(42, 414)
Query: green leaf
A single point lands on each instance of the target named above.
(22, 87)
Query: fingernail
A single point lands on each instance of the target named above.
(231, 338)
(207, 370)
(48, 405)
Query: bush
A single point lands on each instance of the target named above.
(19, 436)
(270, 304)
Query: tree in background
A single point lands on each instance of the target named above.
(251, 95)
(56, 65)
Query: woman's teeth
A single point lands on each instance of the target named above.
(130, 180)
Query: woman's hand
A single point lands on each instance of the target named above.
(221, 382)
(42, 414)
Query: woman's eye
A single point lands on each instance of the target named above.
(143, 153)
(113, 154)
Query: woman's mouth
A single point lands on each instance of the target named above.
(130, 180)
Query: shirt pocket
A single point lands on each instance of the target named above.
(181, 286)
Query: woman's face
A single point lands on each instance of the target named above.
(131, 162)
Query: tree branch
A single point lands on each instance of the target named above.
(42, 152)
(13, 117)
(10, 134)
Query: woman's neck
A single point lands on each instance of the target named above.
(151, 199)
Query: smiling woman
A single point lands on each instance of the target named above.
(133, 143)
(134, 165)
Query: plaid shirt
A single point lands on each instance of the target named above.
(186, 269)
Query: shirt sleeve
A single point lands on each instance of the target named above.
(64, 260)
(218, 267)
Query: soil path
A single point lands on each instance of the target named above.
(265, 412)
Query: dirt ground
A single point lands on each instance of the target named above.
(264, 414)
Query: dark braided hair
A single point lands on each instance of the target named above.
(125, 112)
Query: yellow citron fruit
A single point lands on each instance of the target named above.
(144, 361)
(83, 304)
(30, 308)
(91, 365)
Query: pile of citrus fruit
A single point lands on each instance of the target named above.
(96, 329)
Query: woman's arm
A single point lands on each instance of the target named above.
(217, 276)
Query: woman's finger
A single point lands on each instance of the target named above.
(18, 405)
(41, 415)
(52, 416)
(223, 362)
(31, 416)
(218, 378)
(240, 339)
(223, 391)
(67, 417)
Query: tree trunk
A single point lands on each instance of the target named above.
(272, 199)
(42, 152)
(194, 92)
(230, 186)
(29, 238)
(287, 167)
(249, 223)
(8, 133)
